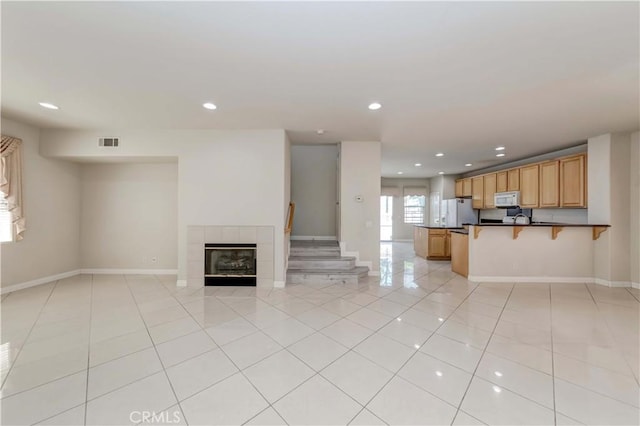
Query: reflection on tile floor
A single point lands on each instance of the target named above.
(417, 345)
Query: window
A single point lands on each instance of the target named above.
(5, 220)
(414, 203)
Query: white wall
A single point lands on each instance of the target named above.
(610, 180)
(634, 205)
(401, 230)
(129, 216)
(228, 178)
(51, 193)
(360, 221)
(314, 189)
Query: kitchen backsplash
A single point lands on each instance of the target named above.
(544, 215)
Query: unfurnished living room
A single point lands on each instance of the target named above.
(320, 213)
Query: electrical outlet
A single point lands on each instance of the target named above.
(154, 260)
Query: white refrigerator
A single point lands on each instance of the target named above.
(456, 211)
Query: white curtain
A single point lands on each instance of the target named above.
(11, 182)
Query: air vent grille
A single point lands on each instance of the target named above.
(108, 142)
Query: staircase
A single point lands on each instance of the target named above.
(319, 261)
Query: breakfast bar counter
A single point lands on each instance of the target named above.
(537, 252)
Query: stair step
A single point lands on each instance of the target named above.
(321, 262)
(330, 276)
(315, 248)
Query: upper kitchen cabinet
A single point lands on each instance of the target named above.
(467, 190)
(477, 189)
(529, 186)
(573, 181)
(513, 180)
(549, 184)
(459, 188)
(463, 188)
(501, 182)
(489, 190)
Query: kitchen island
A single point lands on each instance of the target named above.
(538, 252)
(433, 242)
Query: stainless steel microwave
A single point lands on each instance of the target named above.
(503, 200)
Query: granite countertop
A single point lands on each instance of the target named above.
(460, 231)
(438, 227)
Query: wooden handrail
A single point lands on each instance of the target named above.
(290, 213)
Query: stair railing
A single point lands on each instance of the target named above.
(290, 213)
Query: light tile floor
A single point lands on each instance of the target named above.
(418, 345)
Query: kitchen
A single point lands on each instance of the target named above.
(543, 219)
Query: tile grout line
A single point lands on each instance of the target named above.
(154, 347)
(553, 362)
(25, 342)
(240, 371)
(86, 391)
(395, 374)
(615, 341)
(473, 375)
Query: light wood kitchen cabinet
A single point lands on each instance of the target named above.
(459, 188)
(573, 181)
(420, 241)
(513, 180)
(501, 182)
(437, 243)
(489, 190)
(467, 187)
(549, 184)
(477, 185)
(447, 246)
(529, 186)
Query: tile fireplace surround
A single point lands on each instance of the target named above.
(198, 236)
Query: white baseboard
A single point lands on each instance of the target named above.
(314, 237)
(529, 279)
(635, 285)
(181, 283)
(608, 283)
(568, 280)
(39, 281)
(278, 284)
(100, 271)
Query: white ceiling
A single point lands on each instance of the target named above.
(460, 78)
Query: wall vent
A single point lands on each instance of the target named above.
(108, 142)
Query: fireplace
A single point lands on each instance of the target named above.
(230, 264)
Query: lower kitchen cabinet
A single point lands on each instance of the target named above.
(432, 243)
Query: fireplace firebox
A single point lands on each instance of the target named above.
(230, 264)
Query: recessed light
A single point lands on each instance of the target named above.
(400, 173)
(496, 389)
(468, 165)
(440, 319)
(399, 319)
(374, 106)
(500, 155)
(439, 373)
(209, 105)
(48, 105)
(500, 148)
(320, 131)
(440, 154)
(497, 373)
(440, 173)
(418, 164)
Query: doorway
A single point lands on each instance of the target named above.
(386, 218)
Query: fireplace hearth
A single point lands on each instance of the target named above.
(230, 264)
